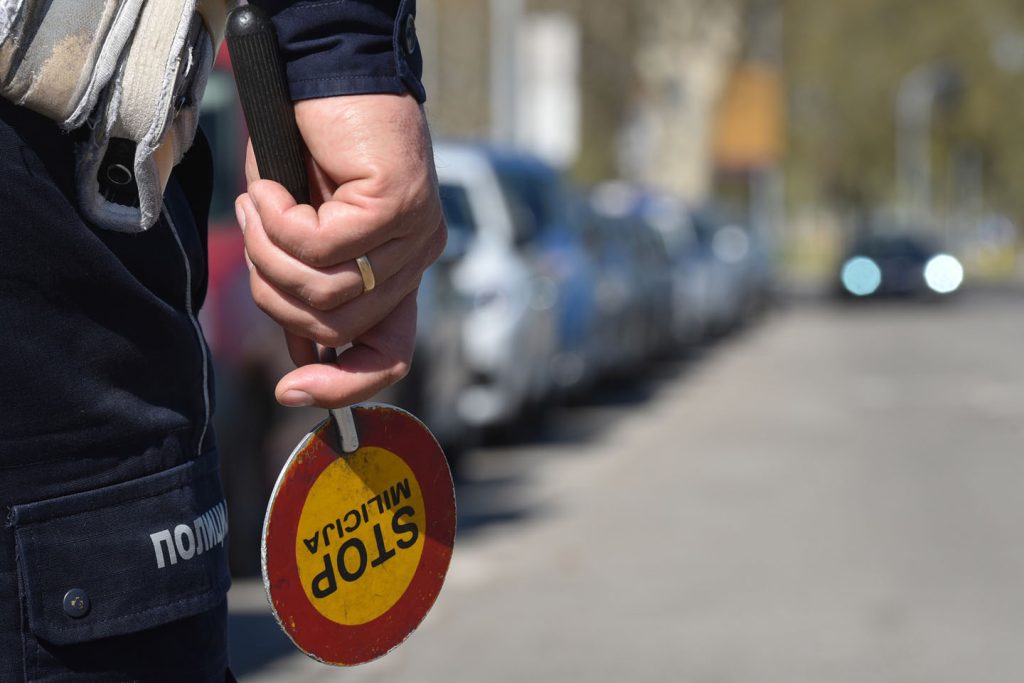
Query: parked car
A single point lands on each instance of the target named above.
(437, 376)
(508, 333)
(657, 281)
(553, 242)
(622, 289)
(672, 220)
(669, 263)
(737, 270)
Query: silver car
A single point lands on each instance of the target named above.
(508, 333)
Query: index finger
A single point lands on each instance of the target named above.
(377, 359)
(334, 233)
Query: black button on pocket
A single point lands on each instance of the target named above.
(76, 603)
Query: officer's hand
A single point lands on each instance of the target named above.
(374, 191)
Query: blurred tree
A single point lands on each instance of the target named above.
(650, 76)
(455, 35)
(844, 64)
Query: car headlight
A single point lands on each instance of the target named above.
(861, 276)
(943, 274)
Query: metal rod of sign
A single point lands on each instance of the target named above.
(344, 421)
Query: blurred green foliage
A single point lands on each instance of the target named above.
(844, 62)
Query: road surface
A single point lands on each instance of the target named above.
(836, 494)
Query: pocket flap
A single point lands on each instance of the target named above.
(123, 558)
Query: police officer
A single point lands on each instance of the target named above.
(112, 542)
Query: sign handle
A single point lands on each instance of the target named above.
(276, 142)
(263, 91)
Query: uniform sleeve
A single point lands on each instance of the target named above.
(348, 47)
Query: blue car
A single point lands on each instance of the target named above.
(555, 244)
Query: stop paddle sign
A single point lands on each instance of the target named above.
(356, 546)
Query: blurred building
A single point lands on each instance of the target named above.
(602, 87)
(455, 39)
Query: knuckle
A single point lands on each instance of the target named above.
(384, 215)
(328, 336)
(377, 184)
(432, 249)
(260, 260)
(322, 254)
(260, 292)
(320, 298)
(312, 253)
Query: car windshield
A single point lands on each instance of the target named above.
(534, 190)
(895, 246)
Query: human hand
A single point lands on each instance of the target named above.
(373, 192)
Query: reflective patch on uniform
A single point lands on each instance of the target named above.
(186, 541)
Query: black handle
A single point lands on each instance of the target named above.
(268, 109)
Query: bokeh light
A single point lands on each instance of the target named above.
(861, 276)
(944, 274)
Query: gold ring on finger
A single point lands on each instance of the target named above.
(366, 271)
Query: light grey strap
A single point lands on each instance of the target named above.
(153, 102)
(9, 10)
(134, 71)
(51, 59)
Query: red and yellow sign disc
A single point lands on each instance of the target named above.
(356, 547)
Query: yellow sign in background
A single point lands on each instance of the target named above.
(360, 536)
(751, 119)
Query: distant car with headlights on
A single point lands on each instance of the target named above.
(898, 265)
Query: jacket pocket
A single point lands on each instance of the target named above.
(123, 558)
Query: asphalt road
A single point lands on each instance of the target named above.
(836, 495)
